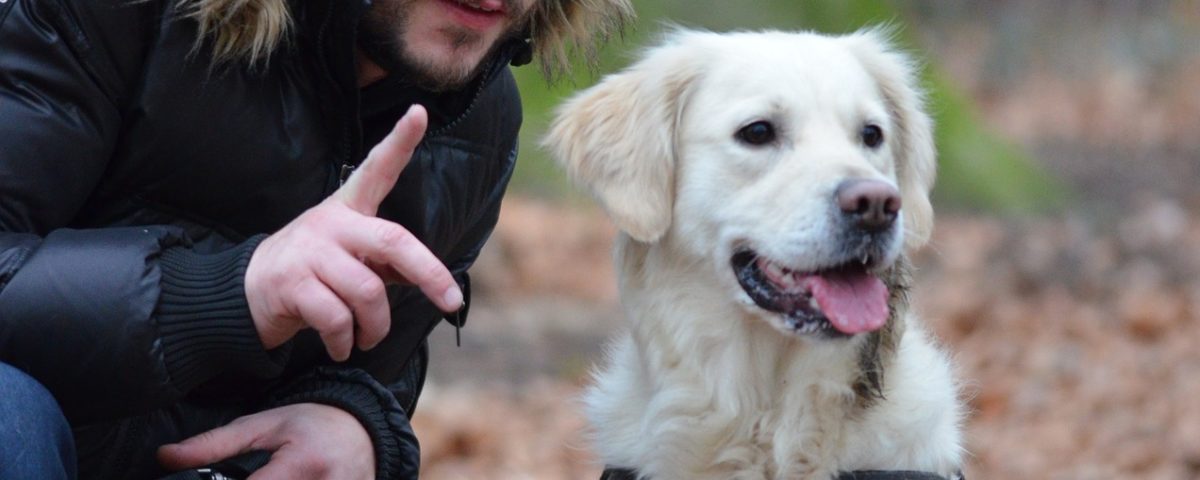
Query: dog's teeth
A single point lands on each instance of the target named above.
(865, 259)
(812, 303)
(787, 280)
(774, 270)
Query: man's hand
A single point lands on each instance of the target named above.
(307, 441)
(327, 268)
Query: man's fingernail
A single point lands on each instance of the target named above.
(411, 108)
(453, 297)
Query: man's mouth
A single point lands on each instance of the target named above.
(477, 14)
(837, 301)
(485, 6)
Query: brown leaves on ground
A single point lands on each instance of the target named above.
(1078, 344)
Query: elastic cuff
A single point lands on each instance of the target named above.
(397, 453)
(204, 320)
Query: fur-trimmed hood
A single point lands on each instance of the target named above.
(250, 30)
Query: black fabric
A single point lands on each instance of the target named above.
(611, 473)
(396, 448)
(894, 475)
(125, 448)
(201, 316)
(627, 474)
(136, 179)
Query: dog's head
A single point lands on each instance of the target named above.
(799, 165)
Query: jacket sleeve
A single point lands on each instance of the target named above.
(397, 454)
(112, 320)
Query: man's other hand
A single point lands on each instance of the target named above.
(328, 268)
(306, 441)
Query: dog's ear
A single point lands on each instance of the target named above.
(616, 139)
(912, 140)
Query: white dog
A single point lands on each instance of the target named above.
(767, 186)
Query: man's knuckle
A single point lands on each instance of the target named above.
(318, 464)
(316, 216)
(434, 276)
(331, 323)
(391, 235)
(341, 320)
(393, 239)
(371, 289)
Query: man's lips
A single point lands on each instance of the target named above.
(476, 15)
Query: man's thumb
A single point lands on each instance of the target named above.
(208, 447)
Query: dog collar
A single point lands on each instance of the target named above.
(611, 473)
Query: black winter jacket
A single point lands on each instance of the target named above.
(136, 179)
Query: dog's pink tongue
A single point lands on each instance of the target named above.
(854, 302)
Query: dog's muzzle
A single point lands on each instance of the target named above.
(838, 301)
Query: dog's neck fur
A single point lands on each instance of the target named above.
(746, 368)
(879, 350)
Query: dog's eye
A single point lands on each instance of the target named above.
(872, 136)
(757, 133)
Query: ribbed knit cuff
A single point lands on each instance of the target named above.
(204, 320)
(397, 453)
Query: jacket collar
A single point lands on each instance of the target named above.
(328, 29)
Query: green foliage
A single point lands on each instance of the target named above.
(977, 168)
(980, 170)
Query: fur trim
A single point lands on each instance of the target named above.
(561, 28)
(248, 30)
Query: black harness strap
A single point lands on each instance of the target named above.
(611, 473)
(895, 475)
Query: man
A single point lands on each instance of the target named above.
(188, 266)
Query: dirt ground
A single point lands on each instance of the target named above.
(1077, 346)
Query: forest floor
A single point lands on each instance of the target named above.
(1077, 342)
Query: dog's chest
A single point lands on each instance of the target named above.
(794, 440)
(797, 437)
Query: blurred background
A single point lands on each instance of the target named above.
(1064, 272)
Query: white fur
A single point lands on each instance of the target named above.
(705, 385)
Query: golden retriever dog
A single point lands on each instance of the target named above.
(768, 187)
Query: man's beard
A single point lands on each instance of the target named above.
(380, 37)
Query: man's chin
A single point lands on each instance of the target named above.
(440, 75)
(450, 71)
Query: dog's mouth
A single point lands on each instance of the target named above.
(838, 301)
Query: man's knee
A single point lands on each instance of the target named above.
(35, 441)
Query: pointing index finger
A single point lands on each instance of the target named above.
(371, 181)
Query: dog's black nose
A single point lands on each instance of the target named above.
(870, 204)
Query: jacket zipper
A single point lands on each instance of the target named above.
(347, 169)
(484, 81)
(341, 167)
